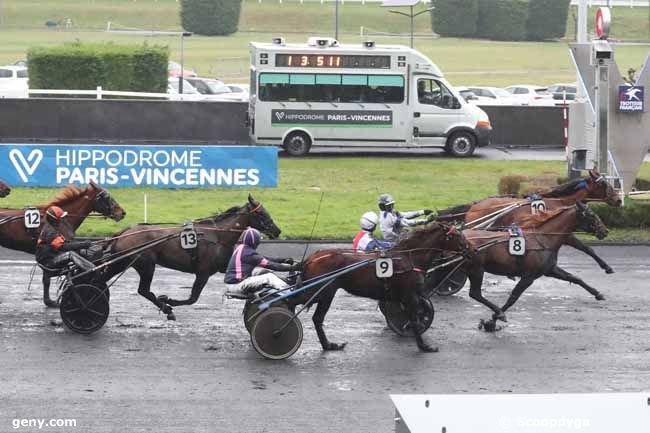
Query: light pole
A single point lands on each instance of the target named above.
(182, 76)
(411, 4)
(336, 20)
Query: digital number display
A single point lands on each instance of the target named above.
(331, 61)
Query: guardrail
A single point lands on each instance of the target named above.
(98, 93)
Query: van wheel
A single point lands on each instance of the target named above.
(297, 144)
(461, 144)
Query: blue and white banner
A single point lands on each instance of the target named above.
(139, 166)
(630, 99)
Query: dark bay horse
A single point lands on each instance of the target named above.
(591, 188)
(4, 189)
(540, 259)
(411, 256)
(217, 237)
(78, 202)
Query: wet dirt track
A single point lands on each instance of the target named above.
(142, 373)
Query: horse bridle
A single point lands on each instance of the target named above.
(103, 203)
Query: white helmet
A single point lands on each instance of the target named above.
(369, 221)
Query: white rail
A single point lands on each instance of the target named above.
(98, 93)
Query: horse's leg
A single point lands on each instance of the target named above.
(323, 306)
(46, 292)
(576, 243)
(146, 271)
(561, 274)
(520, 288)
(476, 284)
(199, 283)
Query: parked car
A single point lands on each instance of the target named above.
(468, 95)
(214, 90)
(14, 82)
(531, 95)
(189, 92)
(243, 89)
(174, 70)
(559, 91)
(494, 96)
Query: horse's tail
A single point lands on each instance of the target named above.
(454, 213)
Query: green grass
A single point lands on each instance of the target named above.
(350, 186)
(464, 61)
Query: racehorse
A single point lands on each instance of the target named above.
(218, 235)
(4, 189)
(78, 202)
(410, 257)
(593, 187)
(540, 258)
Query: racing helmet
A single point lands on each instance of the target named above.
(385, 202)
(369, 221)
(251, 237)
(54, 214)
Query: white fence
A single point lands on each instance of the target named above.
(98, 93)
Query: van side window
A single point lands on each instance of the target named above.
(432, 92)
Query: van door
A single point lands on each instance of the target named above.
(435, 110)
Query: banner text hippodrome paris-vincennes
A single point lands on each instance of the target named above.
(139, 166)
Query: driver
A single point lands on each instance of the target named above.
(53, 250)
(244, 275)
(365, 241)
(392, 222)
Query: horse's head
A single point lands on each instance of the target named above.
(104, 203)
(4, 189)
(588, 221)
(599, 189)
(260, 219)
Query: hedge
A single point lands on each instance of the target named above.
(502, 19)
(79, 66)
(210, 17)
(456, 18)
(547, 19)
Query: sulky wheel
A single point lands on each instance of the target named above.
(398, 321)
(251, 311)
(451, 283)
(84, 307)
(276, 334)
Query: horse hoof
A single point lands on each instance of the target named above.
(600, 297)
(336, 346)
(428, 349)
(488, 326)
(171, 316)
(609, 270)
(500, 316)
(51, 304)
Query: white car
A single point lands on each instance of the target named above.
(189, 92)
(531, 95)
(242, 89)
(494, 96)
(214, 90)
(470, 96)
(14, 82)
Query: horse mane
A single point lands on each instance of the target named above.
(533, 220)
(563, 190)
(414, 238)
(68, 194)
(223, 215)
(453, 212)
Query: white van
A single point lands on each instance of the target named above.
(326, 94)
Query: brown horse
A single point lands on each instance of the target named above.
(78, 202)
(540, 259)
(411, 257)
(591, 188)
(4, 189)
(217, 237)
